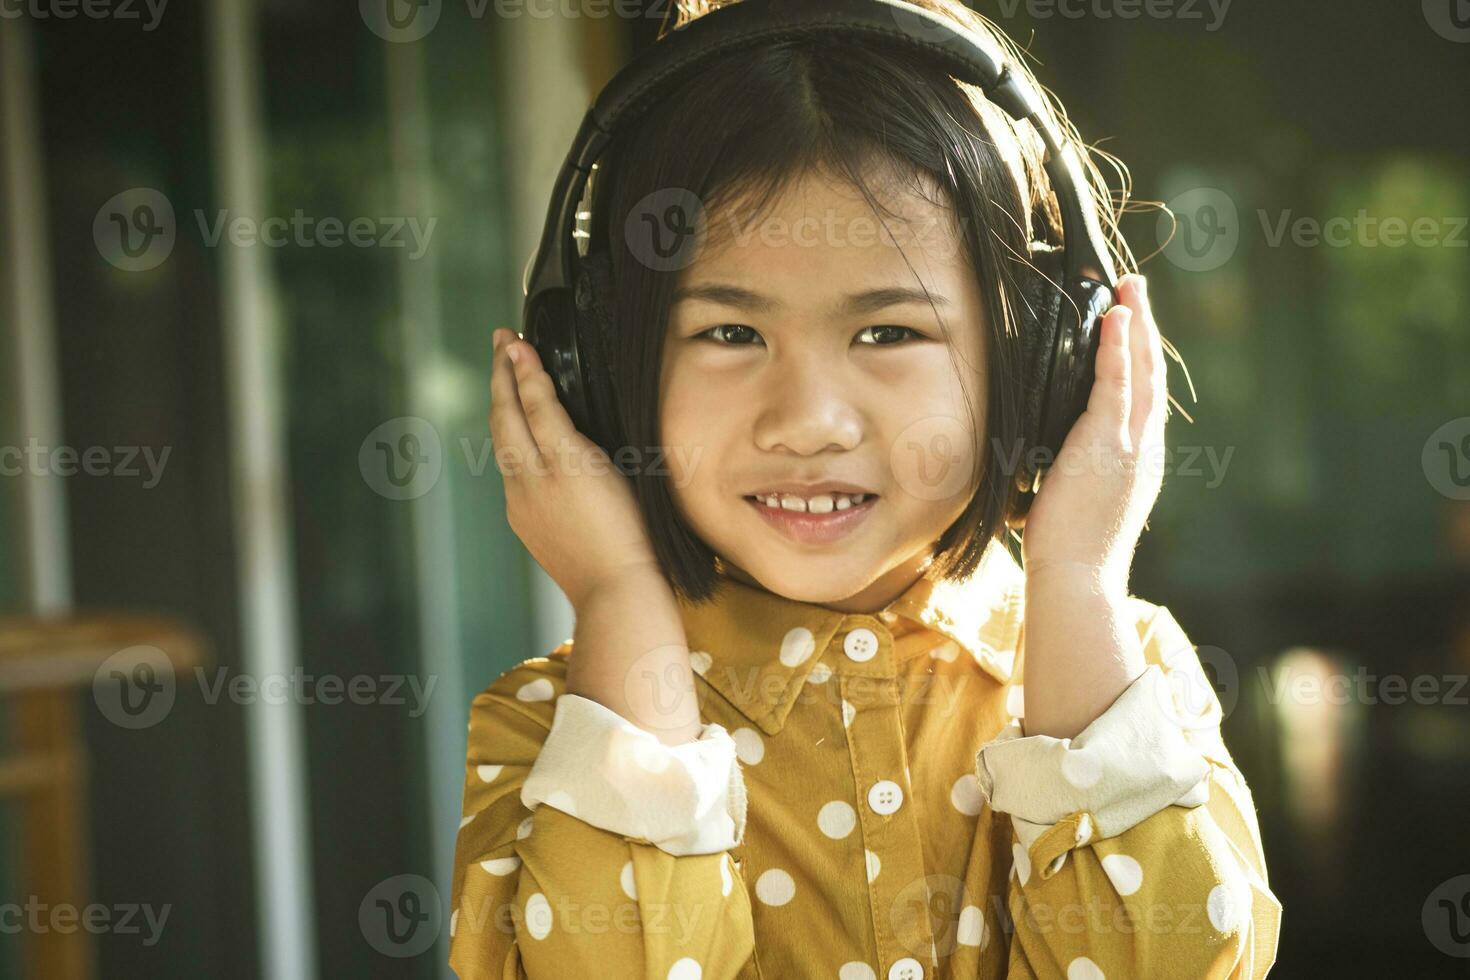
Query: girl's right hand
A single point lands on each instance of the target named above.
(573, 510)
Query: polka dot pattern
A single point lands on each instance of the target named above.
(1083, 968)
(1124, 872)
(948, 651)
(500, 867)
(1021, 862)
(1227, 906)
(538, 690)
(1084, 829)
(965, 795)
(818, 814)
(836, 819)
(970, 930)
(796, 646)
(538, 916)
(749, 746)
(775, 887)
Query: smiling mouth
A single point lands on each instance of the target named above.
(796, 518)
(822, 503)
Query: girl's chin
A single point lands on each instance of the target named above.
(816, 579)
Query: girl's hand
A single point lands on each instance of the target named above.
(1094, 500)
(564, 499)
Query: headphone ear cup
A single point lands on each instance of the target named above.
(596, 330)
(549, 324)
(1040, 321)
(1059, 351)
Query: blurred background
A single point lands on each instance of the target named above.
(253, 558)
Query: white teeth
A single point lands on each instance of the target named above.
(823, 503)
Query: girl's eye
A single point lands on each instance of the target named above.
(734, 334)
(888, 336)
(739, 335)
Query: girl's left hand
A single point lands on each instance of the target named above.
(1095, 498)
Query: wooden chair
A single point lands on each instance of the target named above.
(44, 660)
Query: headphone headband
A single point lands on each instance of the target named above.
(560, 294)
(961, 53)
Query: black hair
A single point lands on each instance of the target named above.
(747, 127)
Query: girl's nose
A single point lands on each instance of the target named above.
(808, 412)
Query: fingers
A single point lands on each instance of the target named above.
(1109, 399)
(509, 432)
(547, 418)
(1129, 392)
(1149, 388)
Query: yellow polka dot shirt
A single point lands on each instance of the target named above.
(862, 802)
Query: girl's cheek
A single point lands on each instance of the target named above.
(932, 457)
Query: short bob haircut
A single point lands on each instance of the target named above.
(755, 121)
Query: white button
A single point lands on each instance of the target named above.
(885, 797)
(861, 644)
(907, 968)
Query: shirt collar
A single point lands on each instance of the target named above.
(755, 648)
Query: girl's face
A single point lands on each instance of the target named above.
(802, 351)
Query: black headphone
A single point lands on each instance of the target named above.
(567, 314)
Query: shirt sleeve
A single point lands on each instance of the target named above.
(1135, 845)
(589, 848)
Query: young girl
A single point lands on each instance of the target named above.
(790, 737)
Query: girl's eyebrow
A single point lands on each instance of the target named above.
(856, 304)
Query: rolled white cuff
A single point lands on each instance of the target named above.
(601, 768)
(1128, 764)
